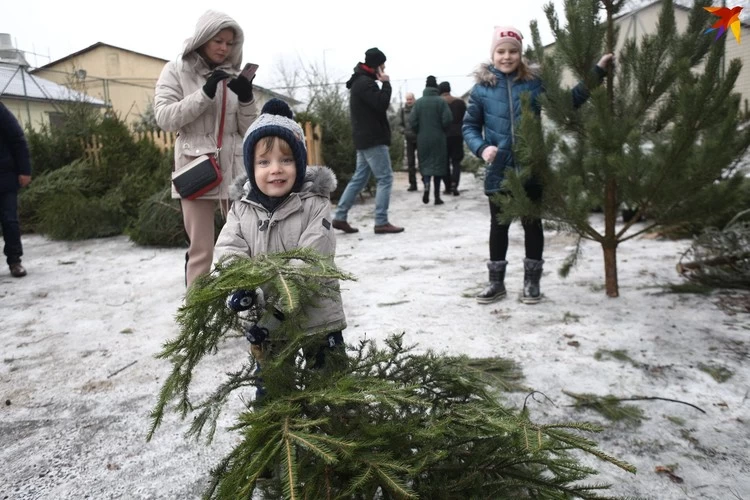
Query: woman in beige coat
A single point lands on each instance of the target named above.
(188, 101)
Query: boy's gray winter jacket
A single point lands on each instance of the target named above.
(303, 220)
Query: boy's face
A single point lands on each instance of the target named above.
(275, 171)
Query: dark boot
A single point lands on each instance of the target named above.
(438, 201)
(426, 195)
(496, 289)
(532, 273)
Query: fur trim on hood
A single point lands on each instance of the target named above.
(319, 181)
(484, 74)
(208, 25)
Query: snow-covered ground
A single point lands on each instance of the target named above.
(78, 375)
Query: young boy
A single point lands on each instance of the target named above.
(283, 205)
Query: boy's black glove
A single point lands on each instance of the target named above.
(213, 81)
(256, 335)
(242, 87)
(241, 300)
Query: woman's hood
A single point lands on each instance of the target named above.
(208, 25)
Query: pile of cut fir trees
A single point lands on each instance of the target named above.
(376, 422)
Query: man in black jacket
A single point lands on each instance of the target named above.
(15, 173)
(371, 132)
(455, 138)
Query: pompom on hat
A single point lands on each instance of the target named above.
(506, 34)
(276, 119)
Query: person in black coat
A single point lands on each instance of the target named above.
(15, 173)
(455, 138)
(371, 132)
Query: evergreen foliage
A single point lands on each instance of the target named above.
(720, 257)
(380, 422)
(82, 200)
(661, 134)
(159, 222)
(608, 406)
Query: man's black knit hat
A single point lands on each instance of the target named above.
(374, 58)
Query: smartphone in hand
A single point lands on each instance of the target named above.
(249, 70)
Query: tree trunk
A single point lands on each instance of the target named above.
(609, 244)
(610, 271)
(611, 203)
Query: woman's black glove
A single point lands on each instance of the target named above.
(213, 80)
(242, 87)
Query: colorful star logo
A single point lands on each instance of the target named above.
(729, 18)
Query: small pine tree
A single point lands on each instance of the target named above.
(376, 423)
(659, 135)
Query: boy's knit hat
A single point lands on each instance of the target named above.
(374, 58)
(276, 119)
(444, 88)
(431, 82)
(505, 34)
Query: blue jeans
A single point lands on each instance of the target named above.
(11, 229)
(378, 160)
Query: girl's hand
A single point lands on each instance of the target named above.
(489, 153)
(606, 60)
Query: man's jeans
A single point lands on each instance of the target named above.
(376, 159)
(11, 229)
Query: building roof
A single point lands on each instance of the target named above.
(16, 81)
(90, 48)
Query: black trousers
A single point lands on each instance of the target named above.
(455, 155)
(11, 228)
(411, 161)
(533, 231)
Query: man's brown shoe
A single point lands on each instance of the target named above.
(388, 228)
(344, 226)
(17, 270)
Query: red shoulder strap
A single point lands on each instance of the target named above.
(223, 110)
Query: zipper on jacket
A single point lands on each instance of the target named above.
(512, 112)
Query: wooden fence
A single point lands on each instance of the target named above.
(164, 141)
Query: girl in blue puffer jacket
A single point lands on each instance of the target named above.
(489, 127)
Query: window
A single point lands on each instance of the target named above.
(56, 120)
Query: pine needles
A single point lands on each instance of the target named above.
(374, 422)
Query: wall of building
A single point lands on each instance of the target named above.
(124, 79)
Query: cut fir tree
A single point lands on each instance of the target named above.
(374, 422)
(661, 133)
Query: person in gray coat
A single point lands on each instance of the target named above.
(284, 205)
(188, 100)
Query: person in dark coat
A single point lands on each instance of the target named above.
(430, 119)
(489, 130)
(455, 138)
(371, 133)
(15, 173)
(411, 140)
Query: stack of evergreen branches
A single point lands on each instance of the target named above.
(376, 422)
(720, 257)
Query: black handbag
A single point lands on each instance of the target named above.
(204, 173)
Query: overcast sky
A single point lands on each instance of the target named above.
(447, 42)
